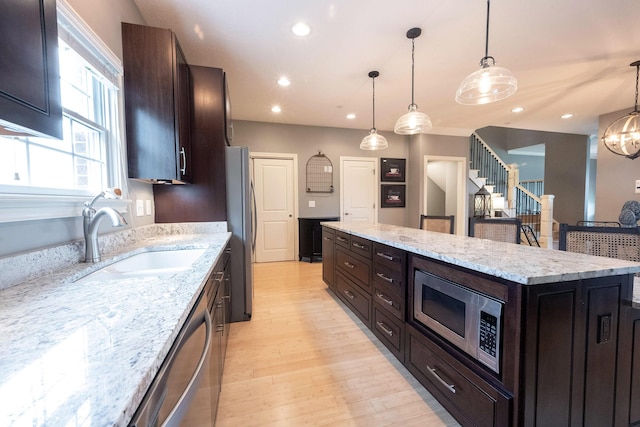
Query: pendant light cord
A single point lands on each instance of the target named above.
(373, 82)
(413, 48)
(486, 43)
(637, 71)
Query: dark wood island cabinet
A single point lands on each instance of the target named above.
(569, 331)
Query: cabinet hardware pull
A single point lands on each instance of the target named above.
(383, 277)
(385, 329)
(385, 256)
(450, 387)
(381, 296)
(348, 264)
(358, 245)
(342, 239)
(349, 294)
(220, 328)
(327, 239)
(184, 161)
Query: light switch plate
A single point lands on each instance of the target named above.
(139, 207)
(312, 203)
(148, 207)
(637, 186)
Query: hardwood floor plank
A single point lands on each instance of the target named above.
(305, 360)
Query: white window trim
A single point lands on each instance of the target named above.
(50, 203)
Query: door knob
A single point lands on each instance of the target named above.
(290, 215)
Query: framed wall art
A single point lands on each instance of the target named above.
(392, 169)
(393, 196)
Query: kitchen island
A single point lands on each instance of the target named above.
(568, 322)
(84, 352)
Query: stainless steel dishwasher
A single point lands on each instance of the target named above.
(180, 394)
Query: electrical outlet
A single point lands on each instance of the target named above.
(148, 207)
(139, 207)
(312, 203)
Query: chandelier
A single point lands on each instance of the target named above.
(622, 137)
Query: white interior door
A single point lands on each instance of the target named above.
(275, 209)
(359, 189)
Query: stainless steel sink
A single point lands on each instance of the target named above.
(156, 263)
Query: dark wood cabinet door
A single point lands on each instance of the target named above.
(328, 256)
(157, 104)
(29, 73)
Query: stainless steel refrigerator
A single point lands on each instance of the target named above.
(241, 223)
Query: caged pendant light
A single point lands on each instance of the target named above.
(413, 122)
(622, 137)
(374, 141)
(489, 83)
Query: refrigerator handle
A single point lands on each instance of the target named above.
(254, 217)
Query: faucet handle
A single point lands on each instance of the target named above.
(109, 193)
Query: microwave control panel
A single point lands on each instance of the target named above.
(488, 333)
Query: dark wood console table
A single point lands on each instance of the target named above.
(310, 237)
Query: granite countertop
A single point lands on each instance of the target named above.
(84, 353)
(518, 263)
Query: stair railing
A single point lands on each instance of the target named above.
(484, 159)
(528, 208)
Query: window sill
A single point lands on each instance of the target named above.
(29, 207)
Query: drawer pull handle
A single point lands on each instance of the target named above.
(348, 264)
(450, 387)
(383, 277)
(342, 239)
(328, 239)
(349, 294)
(358, 245)
(385, 329)
(381, 296)
(385, 256)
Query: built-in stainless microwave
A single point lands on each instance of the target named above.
(464, 317)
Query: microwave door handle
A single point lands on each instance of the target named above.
(181, 407)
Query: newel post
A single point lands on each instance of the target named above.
(513, 179)
(546, 221)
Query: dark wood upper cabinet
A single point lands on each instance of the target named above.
(29, 73)
(157, 104)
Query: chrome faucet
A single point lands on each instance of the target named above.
(92, 219)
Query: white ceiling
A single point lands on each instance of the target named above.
(569, 56)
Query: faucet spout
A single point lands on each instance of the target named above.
(92, 219)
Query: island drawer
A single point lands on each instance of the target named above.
(343, 239)
(389, 330)
(361, 246)
(391, 303)
(356, 268)
(392, 280)
(352, 295)
(390, 257)
(462, 392)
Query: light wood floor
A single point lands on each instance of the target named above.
(305, 360)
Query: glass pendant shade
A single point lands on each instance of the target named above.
(488, 84)
(374, 141)
(622, 137)
(413, 122)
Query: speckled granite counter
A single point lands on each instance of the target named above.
(517, 263)
(85, 353)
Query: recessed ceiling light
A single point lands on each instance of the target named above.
(566, 116)
(351, 116)
(517, 110)
(276, 109)
(283, 81)
(301, 29)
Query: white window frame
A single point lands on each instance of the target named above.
(30, 203)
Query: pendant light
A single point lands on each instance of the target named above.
(489, 83)
(622, 137)
(374, 141)
(413, 122)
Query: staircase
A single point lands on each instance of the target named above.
(510, 198)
